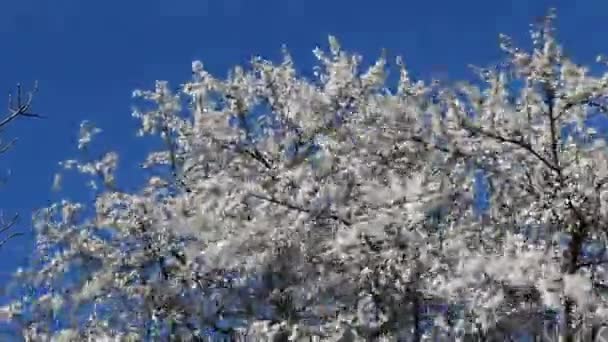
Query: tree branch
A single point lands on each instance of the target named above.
(10, 224)
(592, 263)
(517, 142)
(299, 208)
(20, 108)
(240, 113)
(9, 237)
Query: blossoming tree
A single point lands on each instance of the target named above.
(340, 208)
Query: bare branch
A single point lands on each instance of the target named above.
(10, 224)
(20, 108)
(7, 146)
(13, 235)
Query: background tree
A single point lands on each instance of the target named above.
(17, 107)
(340, 207)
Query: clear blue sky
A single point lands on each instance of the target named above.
(89, 55)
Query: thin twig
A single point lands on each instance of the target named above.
(9, 237)
(10, 224)
(20, 109)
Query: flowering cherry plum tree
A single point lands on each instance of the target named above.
(340, 208)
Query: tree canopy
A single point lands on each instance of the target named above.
(341, 208)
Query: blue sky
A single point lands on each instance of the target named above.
(89, 56)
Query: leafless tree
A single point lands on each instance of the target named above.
(18, 106)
